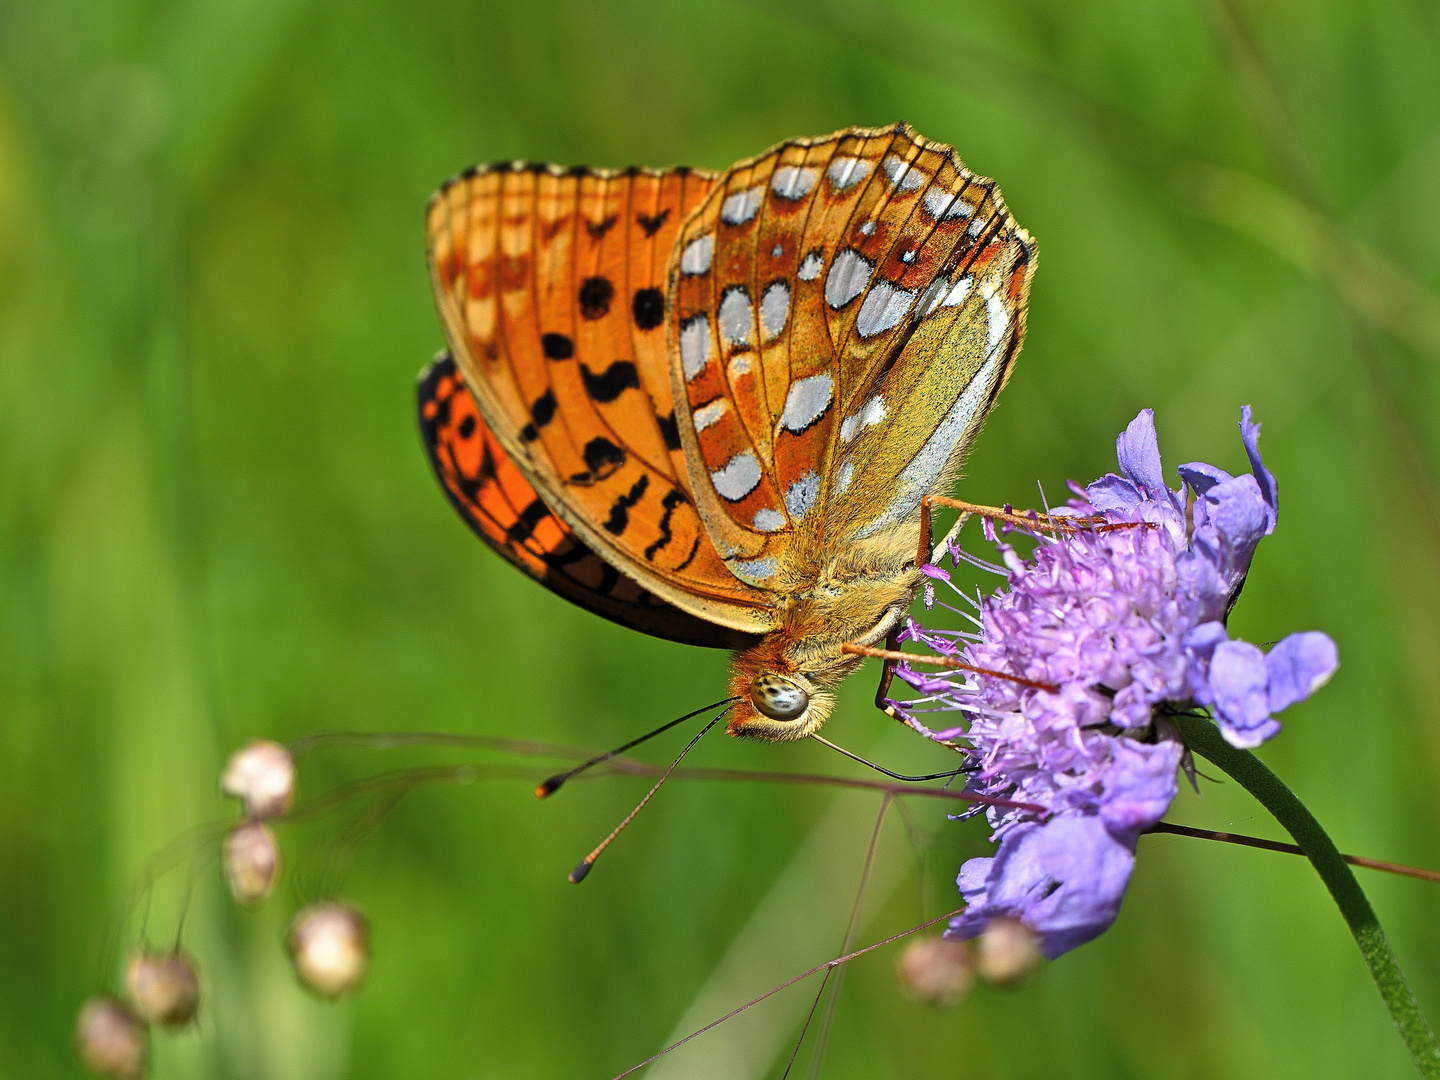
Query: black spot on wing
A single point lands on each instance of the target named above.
(524, 526)
(602, 457)
(619, 517)
(614, 381)
(609, 578)
(595, 296)
(672, 499)
(597, 229)
(670, 430)
(557, 347)
(568, 553)
(541, 413)
(651, 225)
(648, 308)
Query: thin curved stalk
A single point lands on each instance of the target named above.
(1204, 738)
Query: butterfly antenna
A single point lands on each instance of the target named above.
(552, 785)
(578, 874)
(887, 772)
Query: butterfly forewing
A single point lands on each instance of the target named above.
(550, 283)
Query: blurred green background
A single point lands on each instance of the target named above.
(216, 522)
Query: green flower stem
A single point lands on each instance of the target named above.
(1205, 739)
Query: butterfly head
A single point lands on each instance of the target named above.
(777, 706)
(785, 683)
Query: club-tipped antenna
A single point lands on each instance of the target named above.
(552, 785)
(578, 874)
(887, 772)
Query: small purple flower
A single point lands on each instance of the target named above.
(1102, 633)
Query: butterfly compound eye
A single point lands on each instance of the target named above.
(778, 698)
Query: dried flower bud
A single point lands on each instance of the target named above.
(110, 1039)
(252, 862)
(261, 774)
(330, 945)
(162, 987)
(1006, 952)
(936, 971)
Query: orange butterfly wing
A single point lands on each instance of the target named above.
(845, 310)
(496, 501)
(551, 286)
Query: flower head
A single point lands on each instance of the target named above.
(1108, 627)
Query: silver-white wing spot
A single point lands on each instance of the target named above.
(954, 298)
(868, 415)
(741, 207)
(737, 316)
(753, 571)
(883, 308)
(846, 172)
(800, 496)
(695, 259)
(807, 401)
(843, 477)
(849, 274)
(738, 477)
(774, 309)
(999, 317)
(943, 206)
(694, 345)
(768, 521)
(902, 174)
(978, 226)
(792, 182)
(709, 414)
(810, 266)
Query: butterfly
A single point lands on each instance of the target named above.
(708, 405)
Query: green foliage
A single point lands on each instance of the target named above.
(216, 521)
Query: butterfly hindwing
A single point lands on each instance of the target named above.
(844, 310)
(551, 286)
(498, 503)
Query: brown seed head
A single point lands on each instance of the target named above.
(1006, 953)
(252, 862)
(162, 987)
(261, 774)
(936, 971)
(330, 946)
(110, 1039)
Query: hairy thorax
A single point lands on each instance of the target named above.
(784, 684)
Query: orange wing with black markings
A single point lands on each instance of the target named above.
(496, 501)
(844, 311)
(551, 285)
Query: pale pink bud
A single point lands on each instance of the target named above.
(1006, 952)
(110, 1039)
(162, 987)
(261, 774)
(252, 862)
(936, 971)
(330, 945)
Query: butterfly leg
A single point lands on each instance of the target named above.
(927, 541)
(892, 644)
(924, 552)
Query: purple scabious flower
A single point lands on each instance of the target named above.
(1104, 631)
